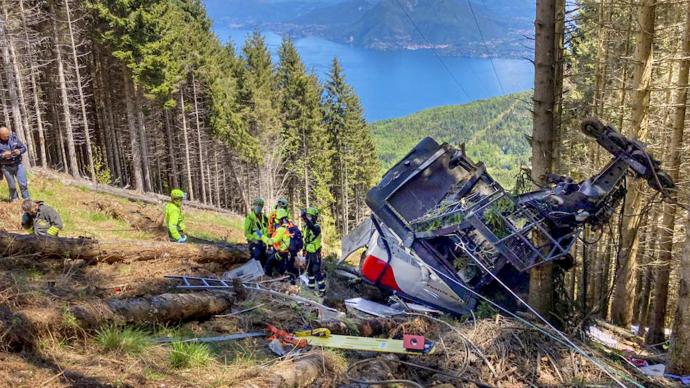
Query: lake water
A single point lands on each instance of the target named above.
(394, 84)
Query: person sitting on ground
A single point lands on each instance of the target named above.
(41, 219)
(255, 226)
(11, 150)
(174, 219)
(281, 260)
(312, 247)
(273, 221)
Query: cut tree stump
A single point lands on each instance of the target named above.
(99, 251)
(302, 372)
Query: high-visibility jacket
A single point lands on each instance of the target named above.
(280, 239)
(255, 226)
(174, 220)
(312, 237)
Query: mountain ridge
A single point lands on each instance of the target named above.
(447, 26)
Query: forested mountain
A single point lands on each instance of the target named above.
(143, 95)
(454, 27)
(495, 131)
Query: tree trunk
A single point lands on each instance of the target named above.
(11, 85)
(185, 136)
(657, 321)
(24, 327)
(133, 132)
(141, 135)
(23, 131)
(174, 181)
(94, 251)
(80, 91)
(198, 139)
(541, 287)
(621, 309)
(34, 89)
(300, 373)
(71, 156)
(679, 356)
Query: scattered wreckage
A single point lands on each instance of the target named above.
(442, 229)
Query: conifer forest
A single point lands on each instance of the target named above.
(132, 99)
(143, 95)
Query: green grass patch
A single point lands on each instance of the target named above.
(127, 340)
(69, 319)
(98, 217)
(189, 355)
(152, 374)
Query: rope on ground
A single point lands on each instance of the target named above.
(563, 340)
(376, 382)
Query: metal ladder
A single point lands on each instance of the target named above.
(196, 283)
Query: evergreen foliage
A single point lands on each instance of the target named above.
(494, 130)
(169, 106)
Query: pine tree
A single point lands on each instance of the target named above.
(258, 106)
(354, 162)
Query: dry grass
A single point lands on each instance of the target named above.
(495, 351)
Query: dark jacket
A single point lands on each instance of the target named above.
(12, 144)
(44, 219)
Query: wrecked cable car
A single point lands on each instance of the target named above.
(442, 229)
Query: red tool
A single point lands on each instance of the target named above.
(413, 342)
(285, 337)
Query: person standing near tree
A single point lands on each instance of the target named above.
(255, 226)
(174, 219)
(312, 247)
(11, 150)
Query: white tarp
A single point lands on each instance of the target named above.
(246, 272)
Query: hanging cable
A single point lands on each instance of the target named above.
(433, 50)
(563, 338)
(486, 47)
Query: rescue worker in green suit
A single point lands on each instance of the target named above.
(312, 249)
(280, 240)
(255, 226)
(174, 219)
(41, 219)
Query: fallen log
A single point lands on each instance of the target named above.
(93, 251)
(148, 197)
(299, 373)
(20, 328)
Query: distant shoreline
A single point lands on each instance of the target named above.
(468, 50)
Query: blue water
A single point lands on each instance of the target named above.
(394, 84)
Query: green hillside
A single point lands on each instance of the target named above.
(494, 131)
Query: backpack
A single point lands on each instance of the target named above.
(296, 240)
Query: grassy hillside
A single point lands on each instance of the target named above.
(104, 216)
(494, 131)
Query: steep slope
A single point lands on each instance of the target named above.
(494, 130)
